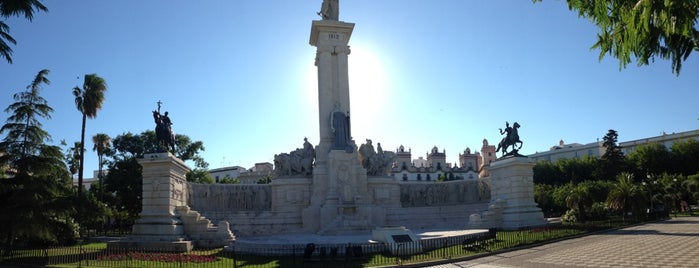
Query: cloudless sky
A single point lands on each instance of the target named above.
(239, 75)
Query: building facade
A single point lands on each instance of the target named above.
(433, 166)
(596, 149)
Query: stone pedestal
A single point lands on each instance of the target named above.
(164, 189)
(341, 203)
(512, 196)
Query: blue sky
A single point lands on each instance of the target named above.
(239, 75)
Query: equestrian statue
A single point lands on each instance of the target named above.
(163, 131)
(511, 139)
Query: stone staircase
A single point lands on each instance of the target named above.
(201, 231)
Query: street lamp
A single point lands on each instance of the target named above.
(675, 195)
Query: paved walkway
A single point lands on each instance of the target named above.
(671, 243)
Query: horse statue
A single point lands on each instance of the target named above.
(163, 131)
(511, 139)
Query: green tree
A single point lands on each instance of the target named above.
(88, 100)
(643, 29)
(685, 156)
(101, 143)
(229, 180)
(546, 172)
(72, 157)
(625, 195)
(9, 8)
(579, 199)
(612, 161)
(199, 176)
(24, 133)
(37, 198)
(124, 180)
(651, 158)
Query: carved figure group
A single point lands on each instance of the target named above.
(163, 130)
(376, 164)
(511, 139)
(297, 162)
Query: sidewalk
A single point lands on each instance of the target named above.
(671, 243)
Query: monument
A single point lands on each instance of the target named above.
(340, 199)
(512, 203)
(166, 222)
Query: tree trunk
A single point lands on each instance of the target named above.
(82, 157)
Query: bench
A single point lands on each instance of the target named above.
(476, 241)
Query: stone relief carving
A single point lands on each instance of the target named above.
(436, 194)
(207, 197)
(376, 163)
(297, 162)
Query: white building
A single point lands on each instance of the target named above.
(433, 166)
(664, 139)
(596, 149)
(246, 176)
(572, 150)
(227, 172)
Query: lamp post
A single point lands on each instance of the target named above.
(675, 196)
(650, 190)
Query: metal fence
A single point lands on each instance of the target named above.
(299, 255)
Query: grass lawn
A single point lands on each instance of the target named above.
(96, 254)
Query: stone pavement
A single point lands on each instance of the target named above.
(671, 243)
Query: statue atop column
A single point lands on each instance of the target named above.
(330, 10)
(511, 139)
(163, 130)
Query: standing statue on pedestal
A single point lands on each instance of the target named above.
(511, 139)
(330, 10)
(340, 126)
(163, 130)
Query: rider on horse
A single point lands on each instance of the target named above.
(511, 139)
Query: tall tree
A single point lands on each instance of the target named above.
(101, 143)
(88, 100)
(24, 133)
(36, 199)
(643, 29)
(9, 8)
(612, 161)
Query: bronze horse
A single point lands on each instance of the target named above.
(166, 139)
(511, 139)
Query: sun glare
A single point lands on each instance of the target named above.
(367, 90)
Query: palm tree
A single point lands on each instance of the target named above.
(625, 194)
(88, 100)
(102, 144)
(9, 8)
(578, 199)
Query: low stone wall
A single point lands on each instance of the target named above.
(278, 207)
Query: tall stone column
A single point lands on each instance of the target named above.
(331, 39)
